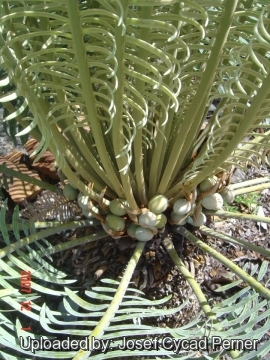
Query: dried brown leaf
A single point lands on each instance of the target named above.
(101, 204)
(46, 164)
(51, 206)
(197, 211)
(20, 190)
(210, 191)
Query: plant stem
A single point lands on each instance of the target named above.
(41, 234)
(195, 287)
(76, 242)
(236, 269)
(116, 301)
(49, 224)
(190, 279)
(140, 87)
(83, 68)
(249, 182)
(117, 120)
(205, 230)
(189, 128)
(227, 214)
(244, 125)
(249, 189)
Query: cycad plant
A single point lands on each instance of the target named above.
(119, 92)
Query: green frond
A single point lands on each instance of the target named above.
(43, 275)
(120, 92)
(35, 236)
(239, 316)
(108, 75)
(235, 318)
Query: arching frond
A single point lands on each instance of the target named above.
(236, 321)
(107, 85)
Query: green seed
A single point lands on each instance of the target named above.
(70, 192)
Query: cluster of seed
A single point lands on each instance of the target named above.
(152, 219)
(183, 212)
